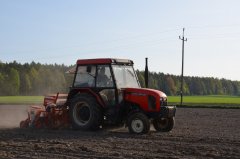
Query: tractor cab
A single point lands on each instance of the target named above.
(106, 78)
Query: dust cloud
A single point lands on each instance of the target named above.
(11, 115)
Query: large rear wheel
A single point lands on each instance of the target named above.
(163, 124)
(138, 123)
(85, 113)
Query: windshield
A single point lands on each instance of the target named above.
(125, 76)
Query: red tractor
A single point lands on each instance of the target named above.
(104, 92)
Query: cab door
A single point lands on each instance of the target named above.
(105, 85)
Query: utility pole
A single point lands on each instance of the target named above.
(183, 40)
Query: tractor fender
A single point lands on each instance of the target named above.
(80, 91)
(131, 108)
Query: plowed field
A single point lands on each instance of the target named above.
(198, 133)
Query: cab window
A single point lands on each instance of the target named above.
(85, 76)
(104, 76)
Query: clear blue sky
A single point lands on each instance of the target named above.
(62, 31)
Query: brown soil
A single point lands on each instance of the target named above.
(198, 133)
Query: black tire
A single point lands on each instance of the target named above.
(138, 123)
(85, 113)
(163, 124)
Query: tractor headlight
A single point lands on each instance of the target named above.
(163, 101)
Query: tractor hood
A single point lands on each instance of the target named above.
(145, 92)
(150, 100)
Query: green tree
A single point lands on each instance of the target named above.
(2, 92)
(13, 82)
(141, 78)
(236, 88)
(25, 84)
(171, 85)
(36, 81)
(218, 88)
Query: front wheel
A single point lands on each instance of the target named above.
(138, 123)
(163, 124)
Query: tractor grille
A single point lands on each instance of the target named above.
(151, 102)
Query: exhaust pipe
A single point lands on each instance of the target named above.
(146, 73)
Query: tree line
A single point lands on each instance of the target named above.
(41, 79)
(171, 84)
(33, 79)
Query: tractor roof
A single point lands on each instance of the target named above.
(103, 61)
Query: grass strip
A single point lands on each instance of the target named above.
(215, 101)
(231, 102)
(21, 100)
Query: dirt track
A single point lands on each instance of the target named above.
(199, 133)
